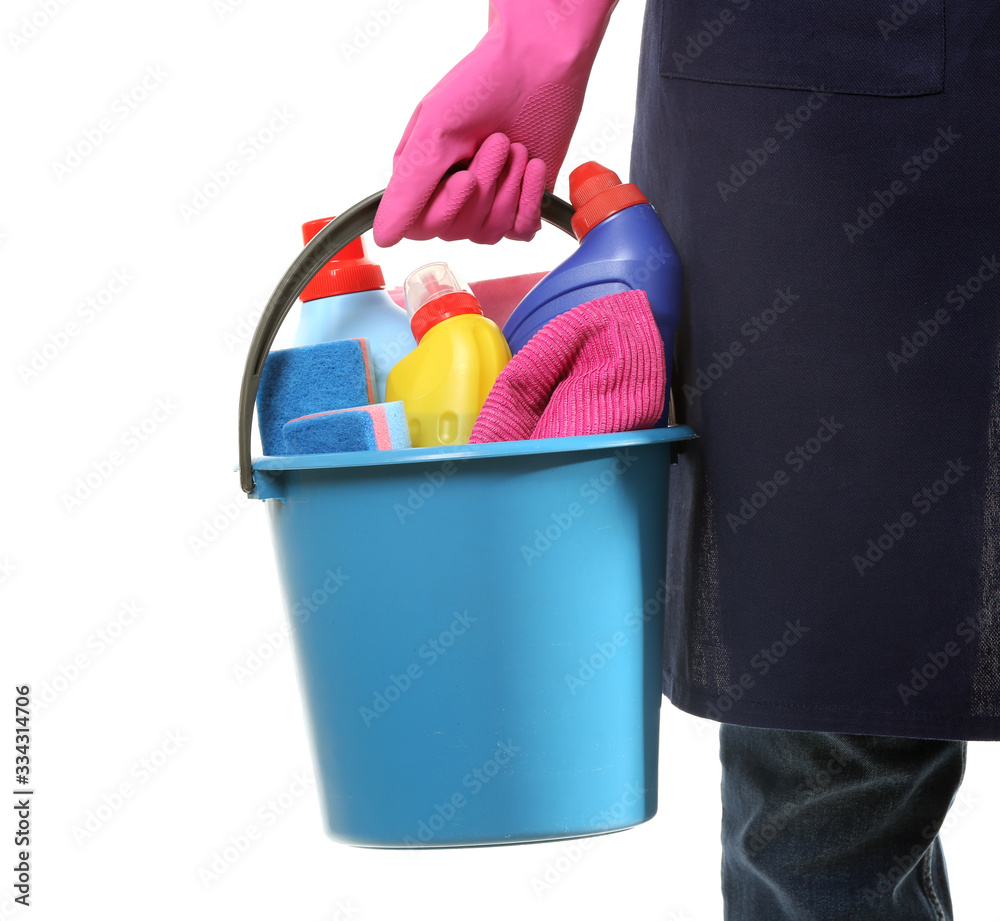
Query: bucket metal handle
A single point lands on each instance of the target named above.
(343, 229)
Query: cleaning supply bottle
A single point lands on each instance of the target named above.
(446, 379)
(347, 299)
(623, 246)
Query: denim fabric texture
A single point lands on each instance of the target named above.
(833, 827)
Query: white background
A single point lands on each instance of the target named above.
(120, 688)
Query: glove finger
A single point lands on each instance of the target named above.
(456, 207)
(500, 219)
(487, 166)
(407, 131)
(418, 167)
(443, 206)
(529, 210)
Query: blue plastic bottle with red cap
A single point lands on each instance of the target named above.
(347, 299)
(623, 246)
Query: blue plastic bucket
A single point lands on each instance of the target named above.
(478, 628)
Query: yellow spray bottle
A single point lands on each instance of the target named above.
(444, 381)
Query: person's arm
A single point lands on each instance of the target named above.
(506, 112)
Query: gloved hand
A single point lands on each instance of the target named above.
(506, 113)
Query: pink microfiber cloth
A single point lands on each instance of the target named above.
(596, 368)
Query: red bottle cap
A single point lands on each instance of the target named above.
(451, 304)
(596, 193)
(348, 271)
(434, 293)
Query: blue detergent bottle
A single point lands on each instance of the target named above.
(623, 246)
(347, 299)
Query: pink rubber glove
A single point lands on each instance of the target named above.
(506, 113)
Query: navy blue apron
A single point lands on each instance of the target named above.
(830, 173)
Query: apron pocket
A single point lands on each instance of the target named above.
(878, 48)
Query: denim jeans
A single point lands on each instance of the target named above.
(830, 827)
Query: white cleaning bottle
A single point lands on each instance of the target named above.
(347, 300)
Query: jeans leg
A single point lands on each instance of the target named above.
(832, 827)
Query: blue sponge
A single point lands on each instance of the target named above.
(363, 428)
(311, 379)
